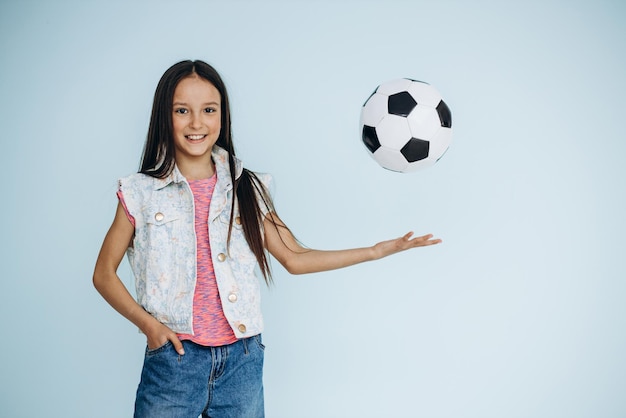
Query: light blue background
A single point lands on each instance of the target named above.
(519, 313)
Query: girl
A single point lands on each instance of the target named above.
(196, 227)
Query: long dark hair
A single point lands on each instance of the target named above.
(159, 154)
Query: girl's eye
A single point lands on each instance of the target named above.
(209, 110)
(181, 111)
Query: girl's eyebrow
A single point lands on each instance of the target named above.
(204, 104)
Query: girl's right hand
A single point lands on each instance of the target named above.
(160, 334)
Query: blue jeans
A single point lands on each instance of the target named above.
(213, 382)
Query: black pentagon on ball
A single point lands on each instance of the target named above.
(445, 116)
(415, 150)
(370, 138)
(401, 104)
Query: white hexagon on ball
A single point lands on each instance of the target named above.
(375, 110)
(395, 130)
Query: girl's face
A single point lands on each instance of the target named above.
(196, 119)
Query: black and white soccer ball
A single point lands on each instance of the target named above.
(406, 125)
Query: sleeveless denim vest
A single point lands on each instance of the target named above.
(163, 252)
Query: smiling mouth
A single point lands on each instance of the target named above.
(195, 137)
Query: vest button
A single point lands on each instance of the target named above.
(232, 297)
(242, 328)
(159, 217)
(221, 257)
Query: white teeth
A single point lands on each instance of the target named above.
(195, 137)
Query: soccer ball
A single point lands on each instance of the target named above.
(405, 125)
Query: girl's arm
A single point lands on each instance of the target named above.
(299, 260)
(107, 282)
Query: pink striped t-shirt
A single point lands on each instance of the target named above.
(210, 326)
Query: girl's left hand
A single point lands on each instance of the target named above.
(385, 248)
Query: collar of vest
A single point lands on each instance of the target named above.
(220, 159)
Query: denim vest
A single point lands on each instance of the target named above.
(163, 253)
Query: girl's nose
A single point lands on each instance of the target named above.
(195, 121)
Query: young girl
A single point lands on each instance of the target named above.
(196, 227)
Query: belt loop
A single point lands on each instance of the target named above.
(244, 341)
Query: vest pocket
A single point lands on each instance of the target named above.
(163, 231)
